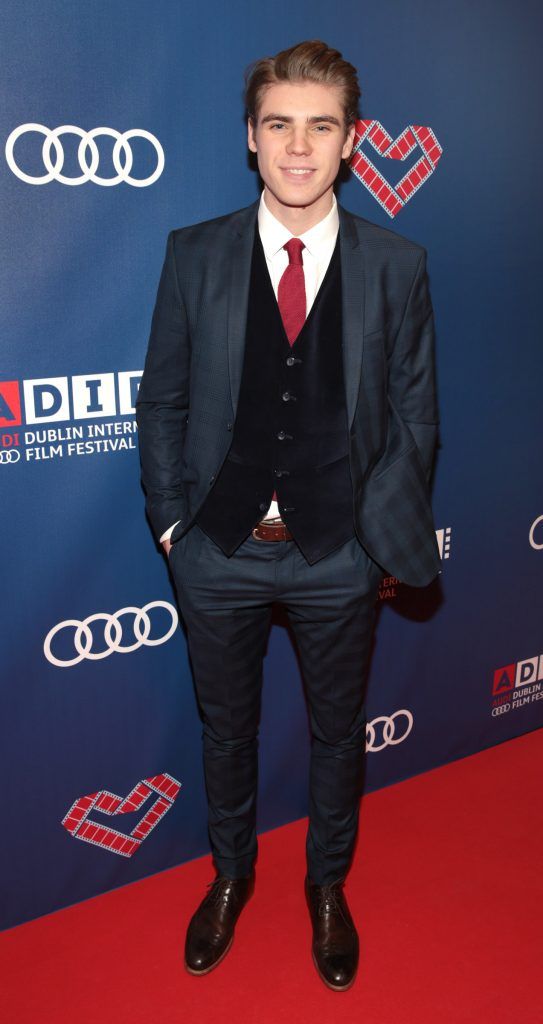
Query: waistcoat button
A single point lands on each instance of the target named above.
(286, 396)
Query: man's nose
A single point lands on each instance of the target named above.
(299, 141)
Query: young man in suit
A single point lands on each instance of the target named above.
(287, 421)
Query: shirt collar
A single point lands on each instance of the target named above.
(273, 234)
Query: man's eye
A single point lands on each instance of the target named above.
(325, 127)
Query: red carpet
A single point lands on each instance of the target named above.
(446, 891)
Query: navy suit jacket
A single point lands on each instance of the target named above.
(188, 395)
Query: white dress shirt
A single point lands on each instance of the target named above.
(319, 244)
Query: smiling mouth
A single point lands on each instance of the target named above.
(300, 172)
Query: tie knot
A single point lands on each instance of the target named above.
(294, 248)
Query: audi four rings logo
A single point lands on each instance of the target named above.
(87, 146)
(9, 455)
(389, 737)
(83, 639)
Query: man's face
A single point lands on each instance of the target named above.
(300, 141)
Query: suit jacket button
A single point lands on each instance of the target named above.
(229, 426)
(263, 507)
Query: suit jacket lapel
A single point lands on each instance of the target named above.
(241, 250)
(353, 294)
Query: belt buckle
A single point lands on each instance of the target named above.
(263, 523)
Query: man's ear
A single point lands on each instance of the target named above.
(251, 135)
(349, 142)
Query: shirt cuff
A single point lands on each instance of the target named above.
(168, 533)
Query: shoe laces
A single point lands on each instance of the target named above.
(329, 899)
(220, 889)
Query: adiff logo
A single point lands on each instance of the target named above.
(57, 399)
(100, 403)
(518, 673)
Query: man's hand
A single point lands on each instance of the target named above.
(166, 544)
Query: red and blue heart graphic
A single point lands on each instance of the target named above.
(391, 198)
(80, 826)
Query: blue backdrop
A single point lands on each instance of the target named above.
(461, 661)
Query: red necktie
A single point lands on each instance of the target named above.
(291, 291)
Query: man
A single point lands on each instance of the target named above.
(287, 420)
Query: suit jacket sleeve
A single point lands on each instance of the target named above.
(412, 375)
(163, 401)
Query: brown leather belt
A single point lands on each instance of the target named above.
(268, 531)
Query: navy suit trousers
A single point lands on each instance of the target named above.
(226, 604)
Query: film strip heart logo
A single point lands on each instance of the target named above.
(393, 199)
(80, 825)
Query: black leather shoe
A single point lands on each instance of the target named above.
(211, 928)
(335, 939)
